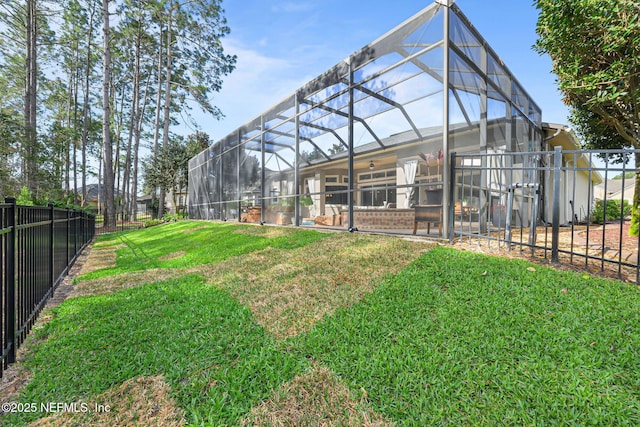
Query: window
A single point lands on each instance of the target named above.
(378, 195)
(336, 195)
(378, 175)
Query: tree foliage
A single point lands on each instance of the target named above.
(595, 49)
(52, 51)
(168, 169)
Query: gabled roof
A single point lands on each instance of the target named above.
(558, 135)
(615, 189)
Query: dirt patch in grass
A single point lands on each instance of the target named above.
(142, 401)
(101, 257)
(14, 379)
(112, 284)
(173, 255)
(194, 229)
(289, 291)
(269, 232)
(315, 398)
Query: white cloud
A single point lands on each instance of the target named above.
(258, 82)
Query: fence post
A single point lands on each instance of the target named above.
(68, 236)
(452, 177)
(52, 224)
(555, 207)
(10, 277)
(75, 233)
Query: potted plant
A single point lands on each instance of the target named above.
(307, 204)
(286, 204)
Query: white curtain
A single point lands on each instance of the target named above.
(311, 183)
(410, 169)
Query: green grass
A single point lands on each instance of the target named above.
(456, 338)
(209, 244)
(464, 339)
(194, 334)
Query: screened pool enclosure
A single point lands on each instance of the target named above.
(367, 144)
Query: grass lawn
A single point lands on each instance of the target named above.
(220, 324)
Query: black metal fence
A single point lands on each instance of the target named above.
(38, 246)
(564, 206)
(125, 221)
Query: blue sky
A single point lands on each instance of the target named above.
(282, 44)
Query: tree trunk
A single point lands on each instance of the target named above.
(133, 123)
(117, 168)
(76, 86)
(109, 213)
(136, 119)
(167, 97)
(67, 148)
(139, 111)
(30, 162)
(85, 109)
(126, 178)
(156, 133)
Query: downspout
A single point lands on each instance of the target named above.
(548, 138)
(544, 189)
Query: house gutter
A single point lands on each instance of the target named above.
(548, 138)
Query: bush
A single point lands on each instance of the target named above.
(173, 217)
(151, 222)
(24, 199)
(614, 211)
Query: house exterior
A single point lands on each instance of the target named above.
(180, 203)
(368, 143)
(579, 180)
(96, 199)
(616, 189)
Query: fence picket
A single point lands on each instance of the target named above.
(29, 272)
(567, 198)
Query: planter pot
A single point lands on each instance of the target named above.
(283, 218)
(433, 196)
(498, 215)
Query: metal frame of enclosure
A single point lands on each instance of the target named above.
(367, 144)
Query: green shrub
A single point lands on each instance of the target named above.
(152, 222)
(24, 199)
(173, 217)
(614, 211)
